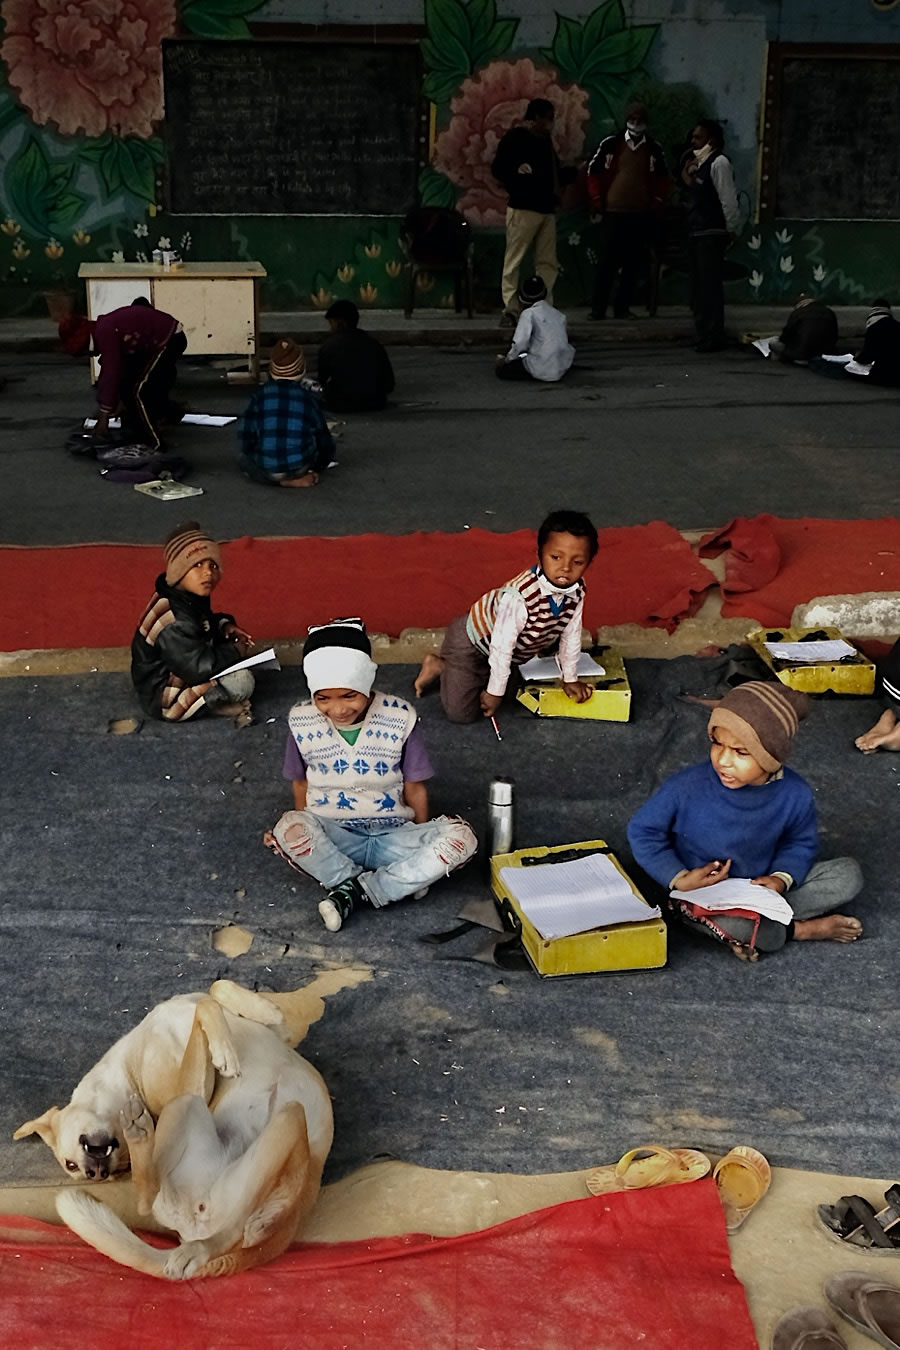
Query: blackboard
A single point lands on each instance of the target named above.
(292, 128)
(838, 152)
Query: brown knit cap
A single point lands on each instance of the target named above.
(185, 547)
(765, 717)
(286, 360)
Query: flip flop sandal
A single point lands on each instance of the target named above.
(855, 1221)
(651, 1165)
(743, 1176)
(869, 1305)
(807, 1329)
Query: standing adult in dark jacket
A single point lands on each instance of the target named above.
(528, 166)
(713, 223)
(627, 187)
(354, 370)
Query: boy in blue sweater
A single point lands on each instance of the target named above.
(743, 814)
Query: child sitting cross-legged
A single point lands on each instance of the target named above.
(744, 814)
(358, 766)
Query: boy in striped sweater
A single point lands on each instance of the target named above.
(509, 625)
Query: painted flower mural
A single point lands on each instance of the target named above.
(89, 66)
(483, 111)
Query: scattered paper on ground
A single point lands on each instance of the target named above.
(124, 726)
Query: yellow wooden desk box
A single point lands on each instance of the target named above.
(610, 701)
(852, 677)
(622, 946)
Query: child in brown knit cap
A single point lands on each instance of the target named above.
(743, 814)
(180, 643)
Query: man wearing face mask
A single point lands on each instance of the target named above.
(713, 225)
(627, 186)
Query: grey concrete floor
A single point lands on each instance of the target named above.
(636, 432)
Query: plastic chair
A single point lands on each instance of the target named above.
(438, 239)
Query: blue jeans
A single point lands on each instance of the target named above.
(391, 863)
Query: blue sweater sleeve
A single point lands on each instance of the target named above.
(798, 845)
(650, 834)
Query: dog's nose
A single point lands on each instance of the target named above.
(96, 1171)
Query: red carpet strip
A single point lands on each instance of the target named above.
(91, 595)
(640, 1268)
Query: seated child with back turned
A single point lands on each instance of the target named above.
(358, 766)
(519, 620)
(285, 440)
(745, 814)
(180, 643)
(540, 349)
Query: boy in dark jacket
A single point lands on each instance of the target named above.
(180, 643)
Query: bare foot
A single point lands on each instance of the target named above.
(885, 735)
(830, 928)
(304, 480)
(743, 952)
(240, 713)
(430, 671)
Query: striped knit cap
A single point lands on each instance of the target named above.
(286, 360)
(187, 546)
(764, 717)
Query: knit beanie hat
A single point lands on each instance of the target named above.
(765, 717)
(185, 547)
(531, 290)
(286, 361)
(339, 656)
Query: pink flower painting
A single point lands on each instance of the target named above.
(88, 65)
(486, 107)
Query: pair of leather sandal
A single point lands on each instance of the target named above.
(870, 1305)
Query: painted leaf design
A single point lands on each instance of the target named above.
(448, 31)
(566, 51)
(435, 189)
(33, 185)
(68, 209)
(218, 18)
(606, 19)
(129, 165)
(497, 43)
(440, 86)
(620, 53)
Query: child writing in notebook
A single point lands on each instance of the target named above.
(511, 624)
(743, 814)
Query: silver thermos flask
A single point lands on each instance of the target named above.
(501, 817)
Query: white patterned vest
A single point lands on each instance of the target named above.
(544, 624)
(347, 783)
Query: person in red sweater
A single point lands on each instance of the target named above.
(138, 347)
(628, 184)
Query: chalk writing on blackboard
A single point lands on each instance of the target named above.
(292, 128)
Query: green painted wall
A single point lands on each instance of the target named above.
(81, 124)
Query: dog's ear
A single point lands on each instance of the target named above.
(44, 1125)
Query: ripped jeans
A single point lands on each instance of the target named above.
(394, 862)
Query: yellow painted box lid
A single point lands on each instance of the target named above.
(856, 675)
(623, 946)
(610, 701)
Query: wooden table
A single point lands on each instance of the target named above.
(216, 303)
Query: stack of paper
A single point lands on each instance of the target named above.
(739, 893)
(547, 668)
(573, 897)
(811, 653)
(267, 659)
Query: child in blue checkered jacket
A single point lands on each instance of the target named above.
(285, 441)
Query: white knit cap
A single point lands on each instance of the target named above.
(339, 668)
(338, 655)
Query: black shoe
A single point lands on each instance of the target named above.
(340, 902)
(625, 314)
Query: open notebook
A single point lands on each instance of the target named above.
(739, 893)
(573, 897)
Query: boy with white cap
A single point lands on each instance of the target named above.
(743, 813)
(358, 767)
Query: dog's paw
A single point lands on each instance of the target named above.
(184, 1261)
(137, 1122)
(224, 1057)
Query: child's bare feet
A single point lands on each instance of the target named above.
(830, 928)
(430, 671)
(240, 713)
(885, 735)
(743, 952)
(304, 480)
